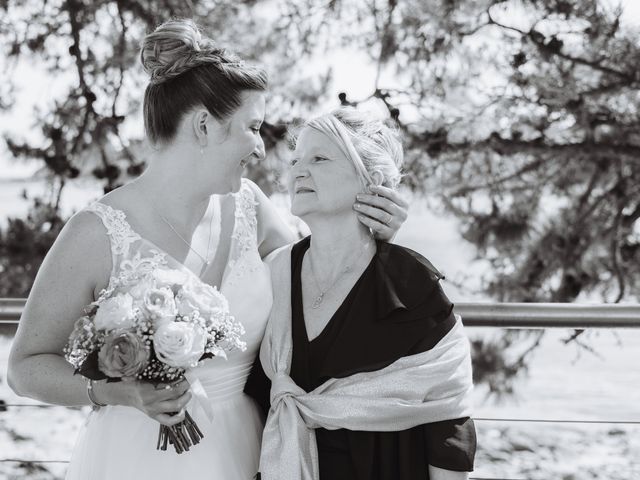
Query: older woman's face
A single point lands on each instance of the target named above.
(322, 180)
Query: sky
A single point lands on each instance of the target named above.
(352, 72)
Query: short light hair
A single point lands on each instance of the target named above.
(368, 142)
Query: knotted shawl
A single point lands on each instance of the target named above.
(423, 388)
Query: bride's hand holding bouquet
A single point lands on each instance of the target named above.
(147, 331)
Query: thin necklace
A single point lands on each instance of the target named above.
(318, 301)
(205, 259)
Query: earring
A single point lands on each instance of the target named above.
(201, 150)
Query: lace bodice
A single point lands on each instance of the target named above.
(245, 282)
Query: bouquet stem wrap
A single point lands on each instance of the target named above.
(187, 433)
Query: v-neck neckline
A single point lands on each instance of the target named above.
(225, 271)
(330, 324)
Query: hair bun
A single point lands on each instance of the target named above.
(175, 47)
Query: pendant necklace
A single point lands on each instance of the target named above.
(205, 259)
(318, 301)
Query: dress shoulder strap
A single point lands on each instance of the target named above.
(120, 233)
(246, 223)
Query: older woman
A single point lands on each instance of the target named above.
(369, 369)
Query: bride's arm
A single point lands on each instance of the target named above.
(77, 266)
(384, 213)
(77, 263)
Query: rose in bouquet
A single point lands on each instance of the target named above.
(154, 329)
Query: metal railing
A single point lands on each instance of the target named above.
(11, 309)
(497, 315)
(500, 315)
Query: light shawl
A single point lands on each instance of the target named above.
(423, 388)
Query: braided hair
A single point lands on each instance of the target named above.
(187, 70)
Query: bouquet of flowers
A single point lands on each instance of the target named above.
(153, 327)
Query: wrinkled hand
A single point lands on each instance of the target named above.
(384, 211)
(159, 402)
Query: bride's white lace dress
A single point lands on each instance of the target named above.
(119, 443)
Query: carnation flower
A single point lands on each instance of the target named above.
(122, 355)
(179, 344)
(115, 313)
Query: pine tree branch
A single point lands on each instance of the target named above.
(534, 165)
(138, 10)
(553, 47)
(521, 360)
(631, 218)
(584, 198)
(611, 192)
(507, 146)
(614, 253)
(73, 8)
(122, 44)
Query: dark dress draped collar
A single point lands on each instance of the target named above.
(403, 278)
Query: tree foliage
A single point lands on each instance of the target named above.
(523, 117)
(520, 116)
(23, 245)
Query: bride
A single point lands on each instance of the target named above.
(191, 210)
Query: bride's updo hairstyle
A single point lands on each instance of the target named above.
(188, 70)
(373, 147)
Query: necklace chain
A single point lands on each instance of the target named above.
(205, 259)
(318, 301)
